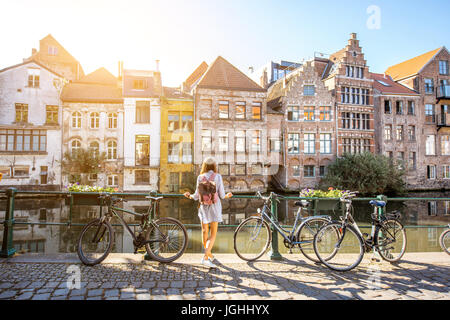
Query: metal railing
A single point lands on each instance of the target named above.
(8, 249)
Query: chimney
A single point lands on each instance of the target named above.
(353, 36)
(120, 73)
(157, 65)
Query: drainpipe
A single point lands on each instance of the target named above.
(337, 128)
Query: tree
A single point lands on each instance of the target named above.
(367, 173)
(81, 163)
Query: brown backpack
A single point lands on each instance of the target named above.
(208, 191)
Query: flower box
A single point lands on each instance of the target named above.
(84, 200)
(325, 205)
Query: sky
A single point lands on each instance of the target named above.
(183, 33)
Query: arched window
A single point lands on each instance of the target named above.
(76, 119)
(112, 120)
(112, 150)
(94, 147)
(75, 146)
(95, 120)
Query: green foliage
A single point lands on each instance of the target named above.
(367, 173)
(82, 161)
(330, 193)
(85, 188)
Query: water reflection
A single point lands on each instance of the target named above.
(61, 238)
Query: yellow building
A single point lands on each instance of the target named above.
(177, 137)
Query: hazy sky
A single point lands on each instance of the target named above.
(183, 33)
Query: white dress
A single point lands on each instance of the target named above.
(210, 213)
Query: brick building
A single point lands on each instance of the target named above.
(428, 74)
(230, 125)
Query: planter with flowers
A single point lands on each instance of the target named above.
(87, 199)
(324, 200)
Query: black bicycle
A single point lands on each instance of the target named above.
(340, 245)
(444, 240)
(165, 239)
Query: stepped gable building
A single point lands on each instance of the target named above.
(231, 126)
(428, 74)
(93, 119)
(30, 127)
(308, 127)
(53, 55)
(397, 132)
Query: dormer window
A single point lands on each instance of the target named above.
(52, 50)
(33, 78)
(139, 84)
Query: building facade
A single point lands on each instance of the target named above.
(93, 120)
(30, 127)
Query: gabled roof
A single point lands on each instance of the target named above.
(412, 66)
(223, 75)
(197, 74)
(98, 86)
(386, 85)
(31, 61)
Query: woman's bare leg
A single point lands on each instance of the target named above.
(205, 233)
(212, 238)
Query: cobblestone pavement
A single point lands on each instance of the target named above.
(292, 278)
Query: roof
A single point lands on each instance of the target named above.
(223, 75)
(197, 74)
(175, 93)
(386, 85)
(412, 66)
(151, 83)
(31, 61)
(278, 89)
(98, 86)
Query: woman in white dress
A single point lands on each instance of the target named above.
(210, 215)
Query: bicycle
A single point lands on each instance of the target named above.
(444, 240)
(335, 243)
(253, 235)
(165, 239)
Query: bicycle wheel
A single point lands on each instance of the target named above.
(391, 240)
(306, 234)
(342, 250)
(444, 241)
(95, 242)
(252, 238)
(168, 238)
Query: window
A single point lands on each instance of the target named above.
(346, 145)
(388, 132)
(430, 146)
(443, 67)
(240, 170)
(431, 172)
(52, 50)
(367, 143)
(76, 120)
(412, 161)
(356, 121)
(309, 90)
(293, 143)
(187, 152)
(309, 171)
(401, 159)
(322, 171)
(429, 86)
(308, 113)
(256, 169)
(399, 133)
(365, 121)
(293, 113)
(223, 110)
(411, 108)
(256, 141)
(142, 111)
(446, 171)
(75, 146)
(141, 177)
(111, 150)
(296, 171)
(186, 123)
(432, 209)
(173, 152)
(345, 95)
(21, 112)
(206, 140)
(365, 97)
(275, 145)
(412, 133)
(142, 150)
(113, 180)
(429, 113)
(224, 169)
(399, 107)
(325, 114)
(346, 118)
(33, 78)
(325, 143)
(387, 107)
(51, 114)
(240, 110)
(174, 122)
(23, 140)
(256, 111)
(94, 148)
(21, 172)
(239, 141)
(223, 141)
(112, 120)
(92, 177)
(445, 145)
(174, 182)
(6, 171)
(94, 120)
(139, 84)
(309, 143)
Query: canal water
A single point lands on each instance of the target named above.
(36, 228)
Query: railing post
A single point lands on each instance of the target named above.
(7, 245)
(274, 254)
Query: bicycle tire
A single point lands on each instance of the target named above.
(265, 246)
(306, 248)
(82, 255)
(387, 256)
(338, 226)
(154, 251)
(444, 235)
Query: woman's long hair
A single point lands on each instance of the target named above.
(207, 165)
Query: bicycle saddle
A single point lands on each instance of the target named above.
(302, 203)
(378, 203)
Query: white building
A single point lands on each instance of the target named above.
(142, 124)
(30, 127)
